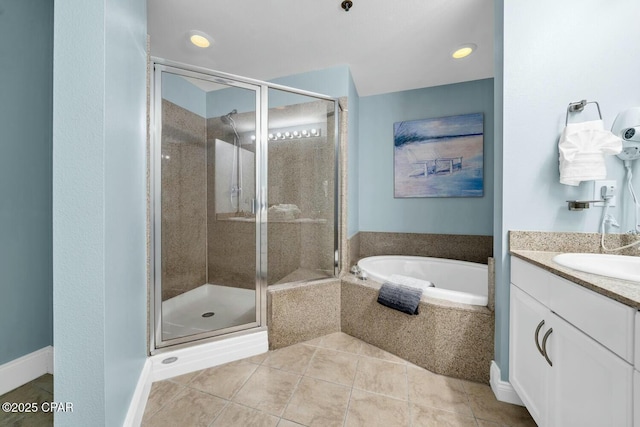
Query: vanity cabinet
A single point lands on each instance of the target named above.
(570, 351)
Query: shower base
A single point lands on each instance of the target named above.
(182, 315)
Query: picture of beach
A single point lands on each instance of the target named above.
(439, 157)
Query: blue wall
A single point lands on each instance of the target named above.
(555, 53)
(500, 241)
(379, 211)
(332, 81)
(26, 49)
(99, 203)
(353, 159)
(181, 92)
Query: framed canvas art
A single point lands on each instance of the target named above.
(439, 157)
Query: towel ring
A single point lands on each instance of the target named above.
(579, 106)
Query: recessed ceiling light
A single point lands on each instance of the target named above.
(200, 39)
(464, 51)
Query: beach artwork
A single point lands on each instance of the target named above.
(441, 157)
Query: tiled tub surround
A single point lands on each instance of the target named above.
(539, 248)
(450, 246)
(447, 338)
(302, 311)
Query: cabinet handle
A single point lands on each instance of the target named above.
(544, 346)
(535, 337)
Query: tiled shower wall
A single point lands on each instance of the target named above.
(183, 198)
(200, 246)
(231, 249)
(300, 173)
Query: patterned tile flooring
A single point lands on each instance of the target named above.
(335, 380)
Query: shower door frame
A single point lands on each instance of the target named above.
(158, 65)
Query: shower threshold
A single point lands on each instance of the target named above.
(207, 308)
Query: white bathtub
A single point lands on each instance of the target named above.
(456, 281)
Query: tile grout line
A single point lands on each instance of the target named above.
(290, 397)
(171, 400)
(235, 393)
(296, 386)
(340, 350)
(313, 356)
(346, 413)
(219, 413)
(409, 406)
(466, 394)
(168, 401)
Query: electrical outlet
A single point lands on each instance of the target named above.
(597, 191)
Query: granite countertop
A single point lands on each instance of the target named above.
(624, 291)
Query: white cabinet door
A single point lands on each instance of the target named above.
(589, 386)
(528, 369)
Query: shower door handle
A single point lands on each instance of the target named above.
(254, 208)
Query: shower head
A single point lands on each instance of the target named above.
(226, 119)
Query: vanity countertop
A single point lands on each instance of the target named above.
(624, 291)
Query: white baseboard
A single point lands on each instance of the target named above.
(27, 368)
(140, 397)
(502, 389)
(188, 360)
(208, 355)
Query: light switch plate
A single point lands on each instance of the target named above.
(597, 195)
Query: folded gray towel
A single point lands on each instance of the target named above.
(399, 297)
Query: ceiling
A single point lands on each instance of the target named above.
(389, 45)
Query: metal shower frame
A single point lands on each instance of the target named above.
(261, 88)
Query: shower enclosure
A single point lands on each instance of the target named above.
(244, 195)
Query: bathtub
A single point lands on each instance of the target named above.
(457, 281)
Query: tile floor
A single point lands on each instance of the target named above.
(39, 390)
(336, 380)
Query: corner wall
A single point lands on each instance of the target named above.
(99, 204)
(556, 53)
(26, 30)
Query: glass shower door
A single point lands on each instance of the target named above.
(302, 187)
(206, 271)
(244, 192)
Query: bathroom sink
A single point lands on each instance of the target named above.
(614, 266)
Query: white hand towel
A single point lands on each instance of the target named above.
(582, 148)
(399, 279)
